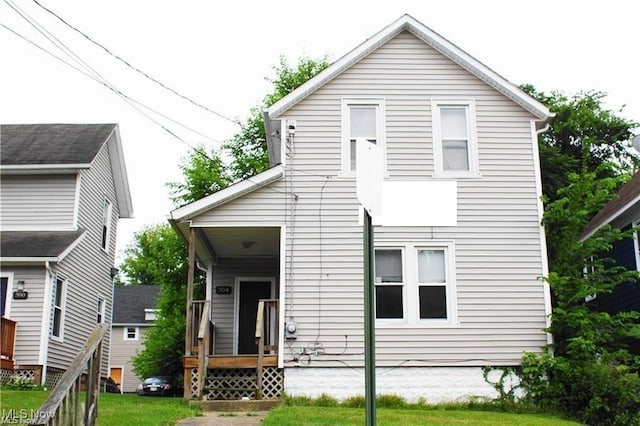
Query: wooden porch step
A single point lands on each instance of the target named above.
(232, 361)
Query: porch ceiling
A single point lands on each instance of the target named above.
(239, 242)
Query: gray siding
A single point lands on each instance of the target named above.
(87, 266)
(37, 202)
(28, 312)
(122, 352)
(498, 253)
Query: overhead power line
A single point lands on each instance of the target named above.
(135, 68)
(91, 73)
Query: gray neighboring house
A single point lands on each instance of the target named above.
(133, 314)
(455, 293)
(63, 188)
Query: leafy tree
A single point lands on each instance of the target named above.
(591, 374)
(581, 120)
(159, 257)
(204, 173)
(248, 148)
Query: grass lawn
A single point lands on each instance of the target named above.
(294, 415)
(134, 410)
(114, 409)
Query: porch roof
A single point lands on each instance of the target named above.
(42, 246)
(232, 192)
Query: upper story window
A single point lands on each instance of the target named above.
(455, 151)
(100, 309)
(59, 296)
(131, 333)
(361, 118)
(415, 284)
(106, 224)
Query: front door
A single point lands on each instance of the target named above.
(250, 292)
(116, 374)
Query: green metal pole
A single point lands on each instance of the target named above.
(369, 324)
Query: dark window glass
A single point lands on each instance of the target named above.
(433, 302)
(389, 301)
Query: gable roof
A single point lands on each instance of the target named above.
(627, 199)
(230, 193)
(69, 144)
(38, 246)
(28, 148)
(433, 39)
(130, 301)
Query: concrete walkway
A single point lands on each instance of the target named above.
(217, 418)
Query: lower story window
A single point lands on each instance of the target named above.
(389, 284)
(415, 283)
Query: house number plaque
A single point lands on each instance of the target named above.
(223, 289)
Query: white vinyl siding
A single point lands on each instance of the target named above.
(38, 202)
(500, 301)
(498, 254)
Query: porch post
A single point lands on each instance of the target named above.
(188, 349)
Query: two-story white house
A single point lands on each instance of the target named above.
(63, 189)
(453, 294)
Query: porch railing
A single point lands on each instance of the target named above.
(8, 341)
(63, 406)
(266, 335)
(197, 313)
(204, 342)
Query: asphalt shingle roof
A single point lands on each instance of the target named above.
(130, 301)
(629, 192)
(36, 243)
(24, 144)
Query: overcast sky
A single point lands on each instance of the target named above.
(218, 54)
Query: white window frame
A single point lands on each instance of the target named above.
(472, 135)
(100, 310)
(125, 333)
(58, 308)
(636, 243)
(449, 284)
(105, 230)
(9, 295)
(402, 284)
(411, 289)
(347, 103)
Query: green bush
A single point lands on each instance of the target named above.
(594, 392)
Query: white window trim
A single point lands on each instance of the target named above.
(125, 333)
(9, 295)
(107, 213)
(474, 168)
(101, 309)
(404, 285)
(411, 287)
(636, 243)
(63, 308)
(345, 159)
